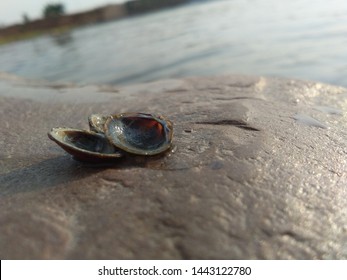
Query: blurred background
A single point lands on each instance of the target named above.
(122, 42)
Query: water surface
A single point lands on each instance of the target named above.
(303, 39)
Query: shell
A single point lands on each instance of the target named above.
(139, 133)
(84, 145)
(97, 122)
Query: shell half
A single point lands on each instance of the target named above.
(139, 133)
(84, 145)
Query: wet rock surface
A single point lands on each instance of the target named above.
(257, 171)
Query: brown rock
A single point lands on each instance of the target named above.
(251, 175)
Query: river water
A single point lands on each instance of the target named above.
(305, 39)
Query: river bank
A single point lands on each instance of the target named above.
(60, 24)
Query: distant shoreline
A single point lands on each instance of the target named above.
(60, 24)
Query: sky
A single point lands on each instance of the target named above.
(11, 11)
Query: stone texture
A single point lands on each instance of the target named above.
(251, 175)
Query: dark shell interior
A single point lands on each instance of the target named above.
(139, 133)
(89, 142)
(143, 133)
(84, 145)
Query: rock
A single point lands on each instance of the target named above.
(257, 171)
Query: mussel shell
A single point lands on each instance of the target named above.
(97, 122)
(84, 145)
(139, 133)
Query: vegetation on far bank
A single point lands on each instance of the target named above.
(49, 11)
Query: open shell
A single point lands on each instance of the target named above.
(139, 133)
(84, 145)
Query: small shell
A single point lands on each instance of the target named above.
(84, 145)
(139, 133)
(97, 122)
